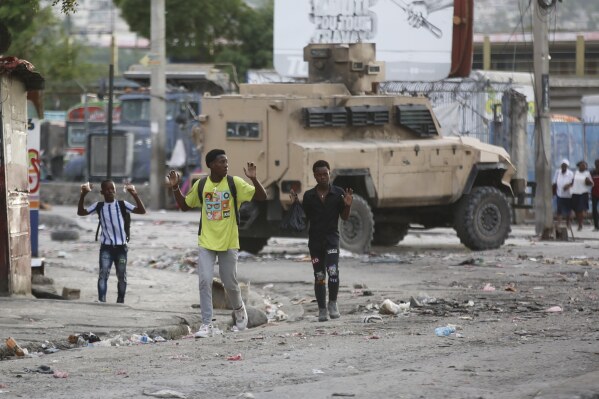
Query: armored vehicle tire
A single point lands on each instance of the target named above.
(389, 234)
(252, 245)
(355, 233)
(482, 218)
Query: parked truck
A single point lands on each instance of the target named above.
(131, 138)
(387, 148)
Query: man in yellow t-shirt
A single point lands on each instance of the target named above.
(219, 233)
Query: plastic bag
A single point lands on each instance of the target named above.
(294, 219)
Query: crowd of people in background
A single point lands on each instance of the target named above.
(572, 189)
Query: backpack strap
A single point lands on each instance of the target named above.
(232, 188)
(126, 219)
(99, 212)
(201, 186)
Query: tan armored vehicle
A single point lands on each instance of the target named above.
(386, 148)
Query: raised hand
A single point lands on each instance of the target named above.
(293, 195)
(348, 197)
(86, 188)
(250, 172)
(130, 188)
(173, 178)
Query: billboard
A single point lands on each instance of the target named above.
(413, 37)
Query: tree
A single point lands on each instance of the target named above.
(255, 49)
(66, 6)
(208, 30)
(38, 37)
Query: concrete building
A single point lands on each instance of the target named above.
(573, 69)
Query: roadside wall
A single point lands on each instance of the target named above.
(15, 175)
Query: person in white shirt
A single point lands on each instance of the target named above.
(580, 186)
(561, 189)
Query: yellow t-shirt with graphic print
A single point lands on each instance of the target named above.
(219, 225)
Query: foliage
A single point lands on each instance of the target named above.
(37, 36)
(209, 31)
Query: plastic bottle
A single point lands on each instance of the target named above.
(444, 331)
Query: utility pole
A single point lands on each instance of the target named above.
(543, 209)
(109, 111)
(158, 106)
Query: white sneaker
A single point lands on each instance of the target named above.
(207, 330)
(241, 318)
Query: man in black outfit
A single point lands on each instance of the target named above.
(323, 205)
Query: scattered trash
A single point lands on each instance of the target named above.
(444, 331)
(554, 309)
(510, 287)
(268, 286)
(43, 369)
(3, 386)
(246, 395)
(372, 318)
(385, 258)
(349, 395)
(158, 338)
(488, 287)
(83, 339)
(374, 337)
(235, 357)
(302, 300)
(13, 346)
(166, 393)
(389, 307)
(60, 374)
(317, 371)
(142, 339)
(122, 372)
(472, 261)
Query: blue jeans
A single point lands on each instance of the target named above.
(108, 255)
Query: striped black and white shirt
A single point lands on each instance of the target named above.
(111, 222)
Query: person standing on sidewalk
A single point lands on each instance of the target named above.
(561, 189)
(113, 242)
(218, 234)
(323, 205)
(595, 195)
(580, 187)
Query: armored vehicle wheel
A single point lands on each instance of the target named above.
(389, 234)
(252, 245)
(483, 218)
(355, 233)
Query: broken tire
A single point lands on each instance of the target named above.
(389, 234)
(482, 219)
(252, 245)
(355, 233)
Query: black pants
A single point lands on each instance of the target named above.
(325, 261)
(595, 201)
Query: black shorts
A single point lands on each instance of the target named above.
(580, 202)
(564, 206)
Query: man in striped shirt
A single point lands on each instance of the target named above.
(113, 242)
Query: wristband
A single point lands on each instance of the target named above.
(176, 188)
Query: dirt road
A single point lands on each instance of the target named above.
(507, 345)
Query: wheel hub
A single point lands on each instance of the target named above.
(352, 227)
(489, 219)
